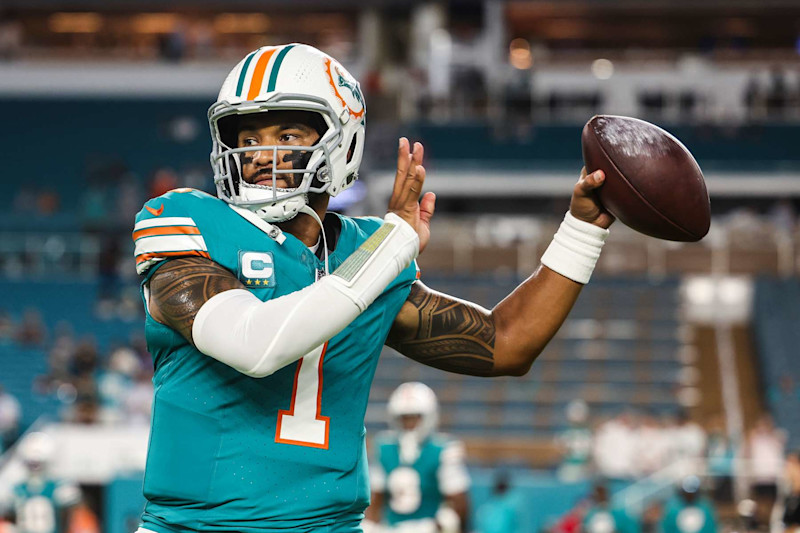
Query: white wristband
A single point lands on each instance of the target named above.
(575, 249)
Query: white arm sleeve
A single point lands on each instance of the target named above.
(258, 338)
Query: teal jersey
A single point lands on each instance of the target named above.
(681, 517)
(605, 520)
(415, 491)
(38, 504)
(498, 515)
(233, 453)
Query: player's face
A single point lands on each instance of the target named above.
(410, 422)
(281, 128)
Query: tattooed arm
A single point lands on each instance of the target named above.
(458, 336)
(180, 288)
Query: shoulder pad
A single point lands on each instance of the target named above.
(366, 224)
(165, 228)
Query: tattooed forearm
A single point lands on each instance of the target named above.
(180, 287)
(446, 333)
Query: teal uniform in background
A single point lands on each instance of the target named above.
(38, 505)
(233, 453)
(413, 491)
(499, 514)
(609, 520)
(683, 517)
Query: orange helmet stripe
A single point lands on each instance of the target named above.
(258, 74)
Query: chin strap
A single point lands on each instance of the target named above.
(313, 214)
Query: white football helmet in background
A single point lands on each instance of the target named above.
(37, 451)
(413, 398)
(289, 77)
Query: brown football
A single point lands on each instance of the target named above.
(653, 183)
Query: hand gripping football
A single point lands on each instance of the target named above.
(653, 183)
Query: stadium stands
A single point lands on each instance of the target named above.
(775, 318)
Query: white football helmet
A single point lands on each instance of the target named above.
(414, 398)
(37, 451)
(289, 77)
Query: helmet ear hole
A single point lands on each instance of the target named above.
(352, 150)
(228, 128)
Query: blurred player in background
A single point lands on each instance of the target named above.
(500, 513)
(791, 491)
(266, 322)
(690, 511)
(419, 480)
(41, 503)
(575, 443)
(603, 517)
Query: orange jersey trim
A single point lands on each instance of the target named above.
(258, 74)
(165, 230)
(145, 257)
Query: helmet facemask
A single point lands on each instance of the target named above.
(312, 165)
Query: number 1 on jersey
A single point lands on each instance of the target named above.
(303, 424)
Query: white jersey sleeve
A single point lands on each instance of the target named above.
(452, 474)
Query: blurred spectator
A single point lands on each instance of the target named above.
(652, 445)
(8, 331)
(116, 382)
(721, 455)
(83, 519)
(139, 402)
(86, 410)
(10, 414)
(129, 200)
(688, 438)
(47, 202)
(499, 513)
(31, 332)
(6, 526)
(602, 517)
(575, 443)
(754, 98)
(786, 393)
(615, 447)
(746, 509)
(766, 451)
(172, 46)
(778, 92)
(791, 513)
(783, 216)
(10, 39)
(84, 363)
(24, 200)
(689, 511)
(108, 274)
(94, 206)
(62, 353)
(164, 180)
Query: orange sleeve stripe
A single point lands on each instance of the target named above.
(166, 230)
(258, 74)
(144, 257)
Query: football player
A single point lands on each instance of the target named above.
(265, 317)
(42, 504)
(419, 479)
